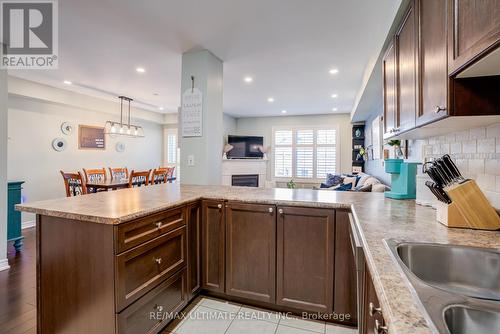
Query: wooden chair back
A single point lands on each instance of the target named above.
(92, 175)
(118, 173)
(170, 172)
(138, 179)
(159, 175)
(74, 183)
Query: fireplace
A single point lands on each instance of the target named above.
(248, 180)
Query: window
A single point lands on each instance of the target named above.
(172, 154)
(304, 153)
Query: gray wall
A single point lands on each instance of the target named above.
(228, 125)
(3, 169)
(206, 150)
(262, 126)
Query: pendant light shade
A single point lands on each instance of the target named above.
(124, 128)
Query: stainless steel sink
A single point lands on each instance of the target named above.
(458, 286)
(462, 320)
(474, 272)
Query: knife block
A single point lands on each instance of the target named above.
(469, 208)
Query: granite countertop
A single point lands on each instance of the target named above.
(377, 219)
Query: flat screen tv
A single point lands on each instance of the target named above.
(245, 147)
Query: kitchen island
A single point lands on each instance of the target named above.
(102, 239)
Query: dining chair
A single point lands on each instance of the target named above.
(170, 176)
(138, 179)
(74, 183)
(118, 173)
(92, 175)
(159, 175)
(170, 172)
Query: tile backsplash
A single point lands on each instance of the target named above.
(476, 153)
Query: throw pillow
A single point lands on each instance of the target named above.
(364, 189)
(362, 178)
(344, 187)
(350, 180)
(378, 188)
(371, 180)
(333, 180)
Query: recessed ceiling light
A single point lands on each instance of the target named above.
(334, 96)
(156, 94)
(67, 82)
(270, 99)
(334, 71)
(160, 108)
(140, 70)
(283, 111)
(248, 79)
(335, 109)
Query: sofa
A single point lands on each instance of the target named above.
(360, 182)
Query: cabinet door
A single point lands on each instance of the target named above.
(474, 28)
(213, 225)
(345, 296)
(433, 60)
(390, 91)
(371, 313)
(406, 42)
(305, 258)
(251, 251)
(194, 248)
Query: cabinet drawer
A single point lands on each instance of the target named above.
(136, 232)
(142, 268)
(153, 311)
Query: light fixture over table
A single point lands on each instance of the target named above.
(124, 129)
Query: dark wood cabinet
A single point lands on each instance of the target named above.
(474, 29)
(390, 90)
(372, 314)
(345, 290)
(406, 56)
(433, 71)
(193, 216)
(305, 258)
(213, 254)
(251, 251)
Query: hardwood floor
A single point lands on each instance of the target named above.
(18, 288)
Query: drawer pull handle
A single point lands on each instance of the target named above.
(280, 211)
(219, 206)
(379, 329)
(158, 260)
(158, 308)
(159, 225)
(271, 210)
(374, 310)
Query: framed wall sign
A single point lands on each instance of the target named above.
(91, 137)
(192, 113)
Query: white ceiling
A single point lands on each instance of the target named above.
(287, 46)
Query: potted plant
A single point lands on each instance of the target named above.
(396, 143)
(291, 184)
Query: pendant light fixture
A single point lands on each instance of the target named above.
(121, 128)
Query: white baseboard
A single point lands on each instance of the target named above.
(28, 224)
(4, 264)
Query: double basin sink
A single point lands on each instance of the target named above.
(458, 286)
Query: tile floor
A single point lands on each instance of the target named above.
(212, 316)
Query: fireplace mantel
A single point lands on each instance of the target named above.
(232, 167)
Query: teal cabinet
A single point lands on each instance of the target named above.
(13, 216)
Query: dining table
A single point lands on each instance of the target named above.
(108, 184)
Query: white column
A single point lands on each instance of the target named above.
(206, 151)
(3, 170)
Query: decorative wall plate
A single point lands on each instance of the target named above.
(66, 128)
(59, 144)
(120, 147)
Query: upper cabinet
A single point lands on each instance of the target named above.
(474, 29)
(435, 42)
(390, 91)
(433, 71)
(406, 47)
